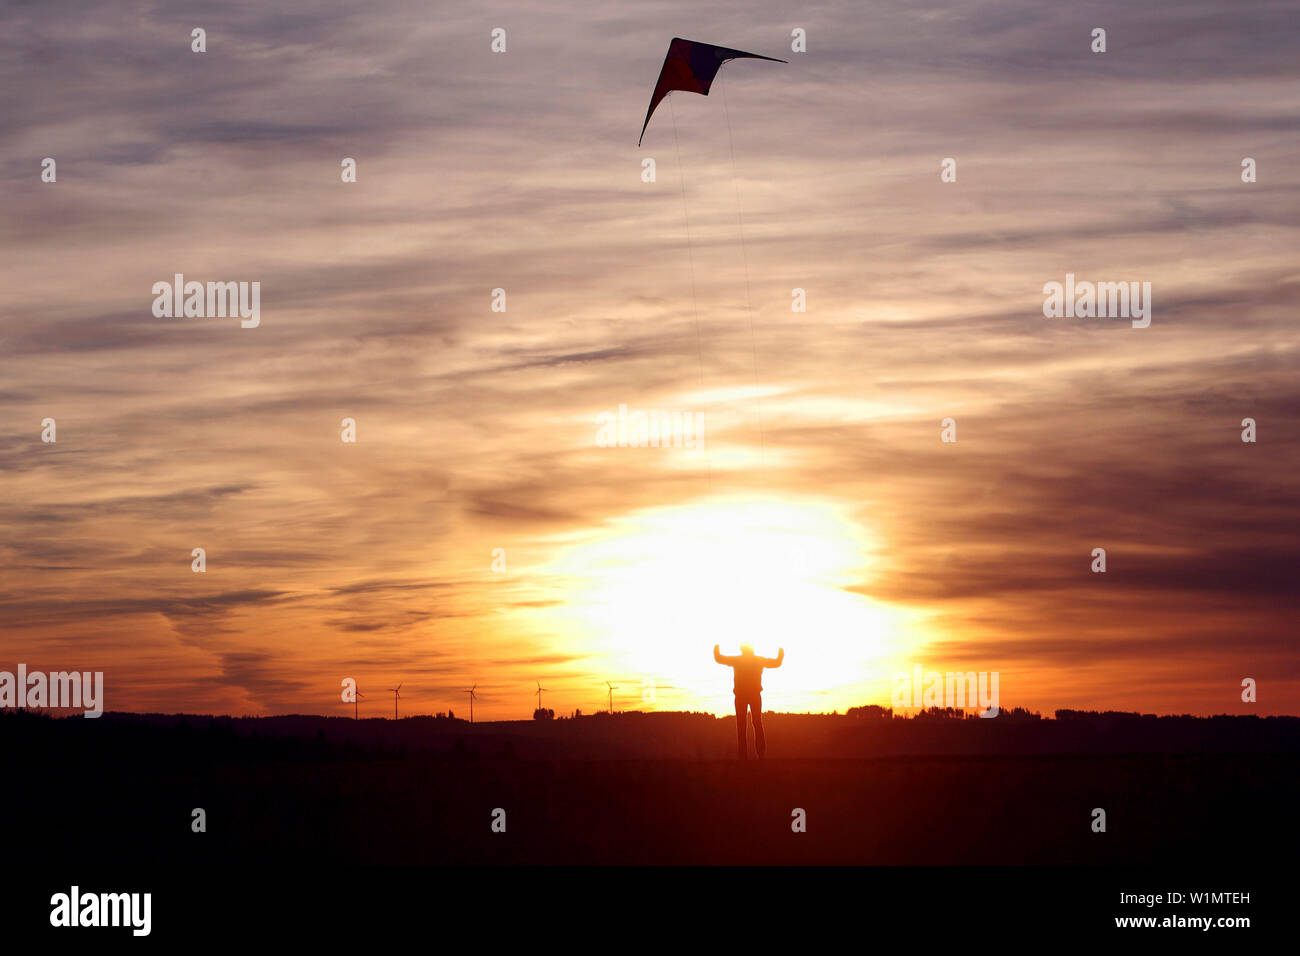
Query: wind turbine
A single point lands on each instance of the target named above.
(540, 688)
(396, 692)
(612, 688)
(472, 695)
(354, 704)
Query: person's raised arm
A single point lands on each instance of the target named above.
(775, 661)
(719, 657)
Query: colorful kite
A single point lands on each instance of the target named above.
(692, 66)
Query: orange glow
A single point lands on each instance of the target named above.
(657, 588)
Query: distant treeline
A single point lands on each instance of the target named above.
(876, 712)
(188, 740)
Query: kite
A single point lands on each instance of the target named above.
(691, 66)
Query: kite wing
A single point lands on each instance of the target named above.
(692, 66)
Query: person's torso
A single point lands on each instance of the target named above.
(749, 678)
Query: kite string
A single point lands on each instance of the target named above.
(744, 257)
(690, 253)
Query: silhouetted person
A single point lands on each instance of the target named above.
(749, 688)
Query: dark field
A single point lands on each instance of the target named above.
(659, 789)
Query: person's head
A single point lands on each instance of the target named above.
(747, 650)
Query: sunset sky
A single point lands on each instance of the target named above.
(823, 514)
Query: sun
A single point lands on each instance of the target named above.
(659, 587)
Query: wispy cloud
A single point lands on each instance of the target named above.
(519, 171)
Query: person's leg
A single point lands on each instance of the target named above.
(741, 707)
(760, 744)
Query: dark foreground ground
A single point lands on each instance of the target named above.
(659, 789)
